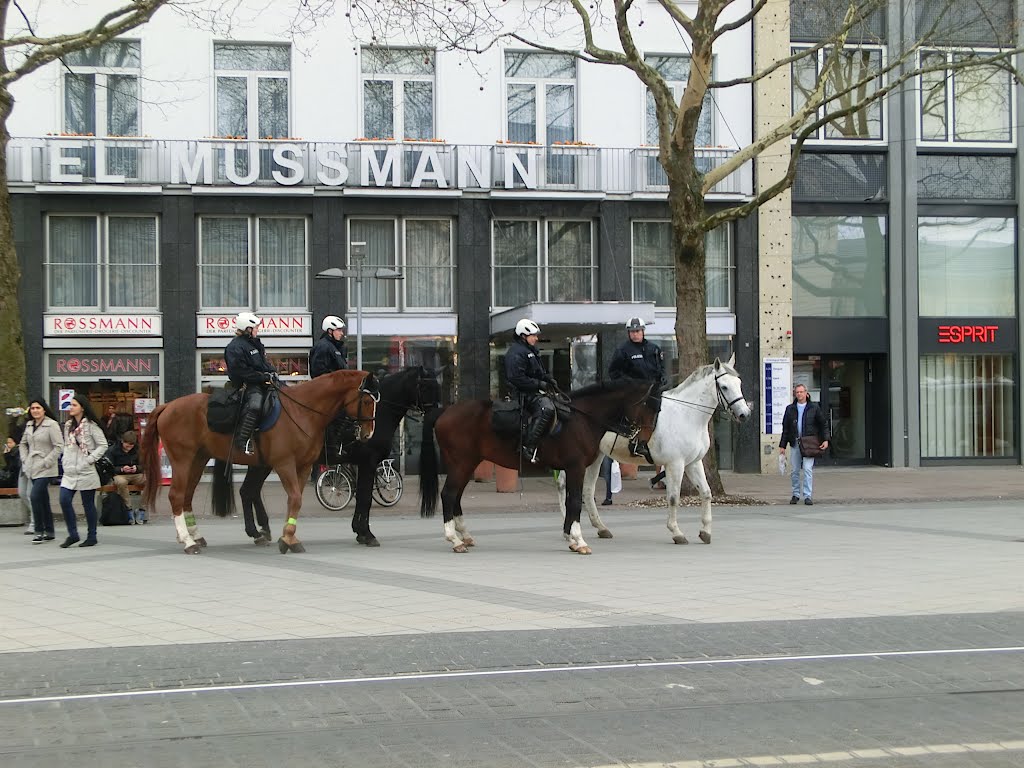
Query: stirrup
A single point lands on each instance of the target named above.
(249, 449)
(530, 454)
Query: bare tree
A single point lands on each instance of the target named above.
(22, 52)
(840, 86)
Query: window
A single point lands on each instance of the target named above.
(540, 99)
(101, 89)
(526, 267)
(676, 71)
(292, 366)
(102, 262)
(966, 267)
(252, 262)
(967, 406)
(839, 266)
(421, 249)
(398, 90)
(252, 90)
(654, 272)
(968, 105)
(842, 90)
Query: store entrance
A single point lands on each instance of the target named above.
(131, 401)
(851, 392)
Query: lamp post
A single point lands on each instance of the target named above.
(357, 257)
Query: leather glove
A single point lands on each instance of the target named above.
(551, 381)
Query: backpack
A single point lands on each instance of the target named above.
(114, 512)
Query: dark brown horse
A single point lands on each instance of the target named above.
(466, 438)
(290, 447)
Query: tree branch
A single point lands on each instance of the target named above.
(678, 16)
(740, 22)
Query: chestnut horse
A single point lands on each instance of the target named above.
(466, 438)
(290, 447)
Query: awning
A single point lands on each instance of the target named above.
(576, 318)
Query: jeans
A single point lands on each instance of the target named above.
(801, 466)
(606, 473)
(88, 501)
(42, 514)
(24, 493)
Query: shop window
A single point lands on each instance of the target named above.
(102, 262)
(844, 88)
(420, 249)
(528, 267)
(540, 106)
(256, 262)
(291, 366)
(653, 266)
(967, 406)
(839, 266)
(965, 105)
(398, 90)
(966, 267)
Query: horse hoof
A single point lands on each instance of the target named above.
(461, 549)
(201, 541)
(298, 548)
(604, 533)
(705, 537)
(469, 541)
(360, 539)
(262, 541)
(193, 549)
(371, 541)
(282, 546)
(584, 551)
(680, 540)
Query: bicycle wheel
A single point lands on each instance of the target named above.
(334, 488)
(387, 486)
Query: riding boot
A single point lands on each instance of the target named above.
(638, 447)
(538, 428)
(243, 437)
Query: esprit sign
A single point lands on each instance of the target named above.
(270, 325)
(102, 325)
(105, 366)
(965, 335)
(960, 334)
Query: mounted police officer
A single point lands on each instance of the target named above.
(528, 380)
(248, 367)
(329, 353)
(638, 358)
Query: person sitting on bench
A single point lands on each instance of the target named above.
(124, 455)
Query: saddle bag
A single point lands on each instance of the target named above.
(222, 410)
(506, 418)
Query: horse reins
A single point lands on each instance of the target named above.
(358, 419)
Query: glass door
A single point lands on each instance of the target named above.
(845, 407)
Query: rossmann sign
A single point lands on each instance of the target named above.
(270, 325)
(102, 325)
(145, 365)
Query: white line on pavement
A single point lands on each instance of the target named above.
(398, 678)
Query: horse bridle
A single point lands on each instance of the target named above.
(633, 429)
(359, 418)
(726, 404)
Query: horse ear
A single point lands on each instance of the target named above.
(732, 361)
(718, 364)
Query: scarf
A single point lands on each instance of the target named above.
(78, 432)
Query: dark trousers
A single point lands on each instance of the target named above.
(606, 473)
(42, 513)
(88, 502)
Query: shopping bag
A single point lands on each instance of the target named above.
(782, 463)
(616, 477)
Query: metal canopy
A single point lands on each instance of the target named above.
(570, 319)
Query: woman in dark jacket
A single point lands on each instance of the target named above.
(802, 418)
(12, 465)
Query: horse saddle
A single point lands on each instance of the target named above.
(224, 407)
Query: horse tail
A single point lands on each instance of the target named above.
(222, 489)
(150, 450)
(429, 465)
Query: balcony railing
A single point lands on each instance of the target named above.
(71, 160)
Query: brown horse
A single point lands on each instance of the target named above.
(466, 438)
(290, 447)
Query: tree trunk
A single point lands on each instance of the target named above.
(691, 301)
(12, 345)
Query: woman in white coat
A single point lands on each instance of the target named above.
(84, 444)
(40, 447)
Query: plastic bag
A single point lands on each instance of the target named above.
(616, 477)
(782, 463)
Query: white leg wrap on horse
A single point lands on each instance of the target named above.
(184, 535)
(450, 535)
(576, 536)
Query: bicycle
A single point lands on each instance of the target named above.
(336, 486)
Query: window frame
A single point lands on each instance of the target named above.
(252, 78)
(102, 263)
(819, 137)
(398, 82)
(950, 96)
(101, 88)
(730, 268)
(540, 85)
(677, 87)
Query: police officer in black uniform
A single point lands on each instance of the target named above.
(248, 367)
(528, 380)
(329, 353)
(638, 358)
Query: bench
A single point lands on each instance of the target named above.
(11, 510)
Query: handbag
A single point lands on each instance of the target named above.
(105, 470)
(810, 447)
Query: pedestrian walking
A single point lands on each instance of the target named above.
(40, 447)
(84, 444)
(804, 431)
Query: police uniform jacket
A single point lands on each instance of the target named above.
(327, 356)
(523, 369)
(247, 361)
(643, 361)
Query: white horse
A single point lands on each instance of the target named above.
(680, 441)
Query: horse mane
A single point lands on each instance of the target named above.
(704, 370)
(607, 386)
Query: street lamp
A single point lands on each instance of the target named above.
(357, 257)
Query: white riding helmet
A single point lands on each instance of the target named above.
(246, 320)
(635, 324)
(333, 323)
(526, 327)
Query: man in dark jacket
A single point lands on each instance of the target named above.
(123, 454)
(528, 381)
(329, 353)
(802, 418)
(248, 367)
(638, 358)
